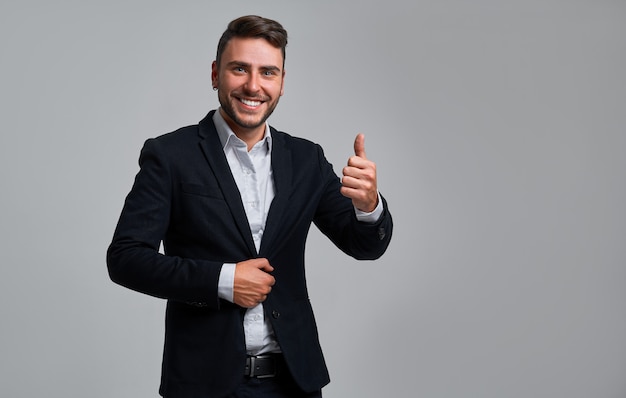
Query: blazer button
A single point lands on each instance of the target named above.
(275, 314)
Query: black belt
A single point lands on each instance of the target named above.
(261, 366)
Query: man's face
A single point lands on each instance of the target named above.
(250, 82)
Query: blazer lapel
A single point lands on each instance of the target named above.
(282, 172)
(212, 148)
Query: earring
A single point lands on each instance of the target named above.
(214, 88)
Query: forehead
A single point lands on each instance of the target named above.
(252, 51)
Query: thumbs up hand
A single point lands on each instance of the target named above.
(359, 178)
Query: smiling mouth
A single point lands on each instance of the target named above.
(250, 102)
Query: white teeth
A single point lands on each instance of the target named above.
(251, 103)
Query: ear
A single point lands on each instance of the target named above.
(214, 74)
(282, 84)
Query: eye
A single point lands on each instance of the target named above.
(270, 72)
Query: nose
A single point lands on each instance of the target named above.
(252, 84)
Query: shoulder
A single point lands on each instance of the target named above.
(294, 143)
(178, 136)
(175, 143)
(308, 155)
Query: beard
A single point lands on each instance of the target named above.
(243, 119)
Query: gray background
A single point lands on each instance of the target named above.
(499, 132)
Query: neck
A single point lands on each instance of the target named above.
(250, 135)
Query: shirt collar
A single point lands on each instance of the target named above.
(228, 137)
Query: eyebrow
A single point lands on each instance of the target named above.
(248, 65)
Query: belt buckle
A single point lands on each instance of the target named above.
(253, 360)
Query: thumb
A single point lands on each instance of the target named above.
(264, 265)
(359, 146)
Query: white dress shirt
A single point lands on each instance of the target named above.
(252, 171)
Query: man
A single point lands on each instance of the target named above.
(232, 200)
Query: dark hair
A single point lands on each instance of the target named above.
(255, 27)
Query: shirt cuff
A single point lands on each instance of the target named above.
(226, 282)
(373, 216)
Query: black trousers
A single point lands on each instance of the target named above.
(281, 386)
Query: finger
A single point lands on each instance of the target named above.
(264, 265)
(359, 146)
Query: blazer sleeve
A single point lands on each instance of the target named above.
(336, 218)
(133, 257)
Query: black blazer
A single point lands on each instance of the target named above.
(185, 196)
